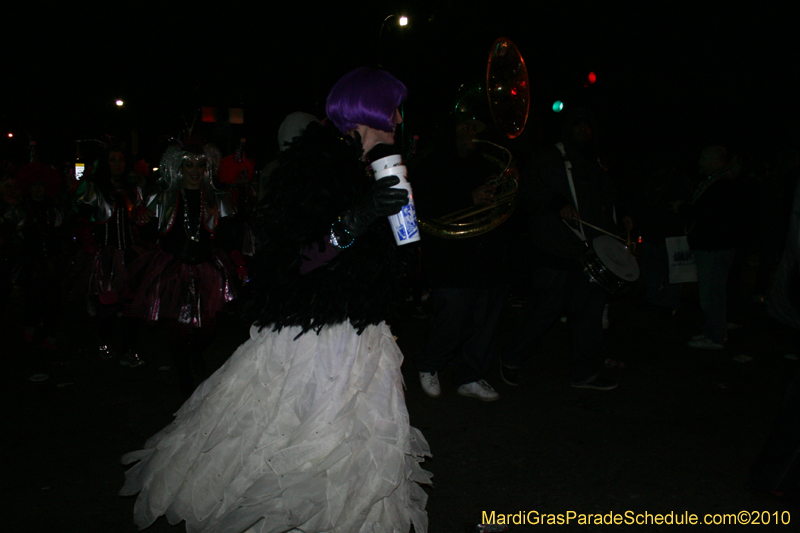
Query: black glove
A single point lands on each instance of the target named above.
(381, 201)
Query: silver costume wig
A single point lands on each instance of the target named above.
(172, 163)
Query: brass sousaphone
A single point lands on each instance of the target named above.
(507, 93)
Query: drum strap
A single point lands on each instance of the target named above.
(568, 166)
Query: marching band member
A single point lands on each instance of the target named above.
(565, 185)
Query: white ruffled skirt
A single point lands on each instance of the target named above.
(309, 434)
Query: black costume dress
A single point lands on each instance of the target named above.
(305, 426)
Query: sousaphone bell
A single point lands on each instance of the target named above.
(506, 94)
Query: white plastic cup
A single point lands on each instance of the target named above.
(387, 162)
(404, 224)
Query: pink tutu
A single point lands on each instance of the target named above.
(165, 287)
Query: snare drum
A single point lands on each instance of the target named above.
(610, 264)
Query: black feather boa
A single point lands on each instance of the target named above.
(319, 177)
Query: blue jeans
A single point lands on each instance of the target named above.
(713, 267)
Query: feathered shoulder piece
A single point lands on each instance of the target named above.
(319, 177)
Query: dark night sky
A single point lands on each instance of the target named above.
(665, 74)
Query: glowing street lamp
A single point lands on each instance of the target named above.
(402, 21)
(119, 103)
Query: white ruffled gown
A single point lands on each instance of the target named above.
(309, 434)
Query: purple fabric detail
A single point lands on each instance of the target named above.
(317, 254)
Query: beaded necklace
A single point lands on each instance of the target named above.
(186, 224)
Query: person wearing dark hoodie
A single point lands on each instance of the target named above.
(564, 185)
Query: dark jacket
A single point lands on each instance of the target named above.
(546, 190)
(714, 216)
(318, 179)
(653, 205)
(445, 186)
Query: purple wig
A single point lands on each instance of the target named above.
(365, 96)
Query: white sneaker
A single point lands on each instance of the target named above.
(430, 384)
(480, 390)
(704, 343)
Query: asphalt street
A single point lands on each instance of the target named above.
(678, 435)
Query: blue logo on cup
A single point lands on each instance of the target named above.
(410, 215)
(406, 223)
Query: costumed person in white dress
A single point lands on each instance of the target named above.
(305, 426)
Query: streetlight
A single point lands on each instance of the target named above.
(119, 103)
(402, 21)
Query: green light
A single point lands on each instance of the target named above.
(558, 106)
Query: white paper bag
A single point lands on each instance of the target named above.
(681, 260)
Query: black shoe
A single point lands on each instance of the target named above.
(509, 375)
(596, 383)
